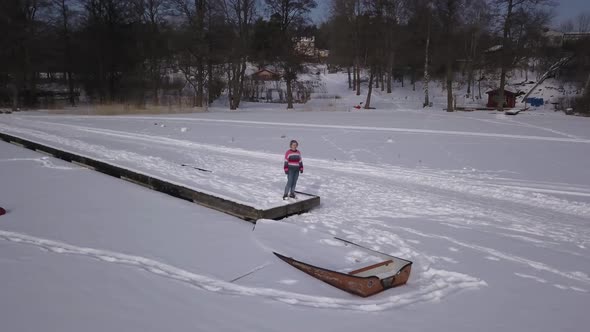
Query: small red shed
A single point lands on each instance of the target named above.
(509, 98)
(266, 75)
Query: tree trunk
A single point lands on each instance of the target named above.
(112, 90)
(358, 77)
(354, 79)
(68, 53)
(100, 73)
(469, 81)
(200, 7)
(156, 80)
(235, 77)
(479, 85)
(156, 86)
(30, 81)
(501, 97)
(230, 87)
(470, 65)
(368, 101)
(449, 22)
(208, 79)
(377, 80)
(426, 74)
(241, 84)
(449, 75)
(289, 94)
(449, 86)
(349, 79)
(141, 100)
(504, 55)
(390, 71)
(14, 97)
(200, 84)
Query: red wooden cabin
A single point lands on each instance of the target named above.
(509, 98)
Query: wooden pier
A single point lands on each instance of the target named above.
(304, 203)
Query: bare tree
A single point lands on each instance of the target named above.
(358, 10)
(20, 42)
(510, 7)
(152, 16)
(379, 20)
(239, 15)
(428, 15)
(194, 46)
(65, 14)
(343, 38)
(567, 26)
(477, 20)
(392, 10)
(290, 14)
(583, 22)
(449, 11)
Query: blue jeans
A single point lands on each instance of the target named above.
(292, 177)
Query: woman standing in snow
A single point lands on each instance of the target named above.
(293, 166)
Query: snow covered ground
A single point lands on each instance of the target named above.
(493, 210)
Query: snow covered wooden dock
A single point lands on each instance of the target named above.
(303, 203)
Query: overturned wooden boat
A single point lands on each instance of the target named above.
(364, 281)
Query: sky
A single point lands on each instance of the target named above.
(565, 9)
(570, 8)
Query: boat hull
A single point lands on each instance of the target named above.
(361, 286)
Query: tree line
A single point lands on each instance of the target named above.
(123, 51)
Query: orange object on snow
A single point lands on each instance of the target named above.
(363, 282)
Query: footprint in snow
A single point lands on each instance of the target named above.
(288, 281)
(447, 259)
(526, 276)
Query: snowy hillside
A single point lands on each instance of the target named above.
(336, 96)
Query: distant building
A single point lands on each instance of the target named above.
(264, 85)
(306, 46)
(559, 39)
(569, 37)
(323, 54)
(266, 75)
(268, 86)
(509, 98)
(554, 38)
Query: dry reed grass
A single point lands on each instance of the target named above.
(125, 109)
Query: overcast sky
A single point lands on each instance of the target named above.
(571, 8)
(565, 9)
